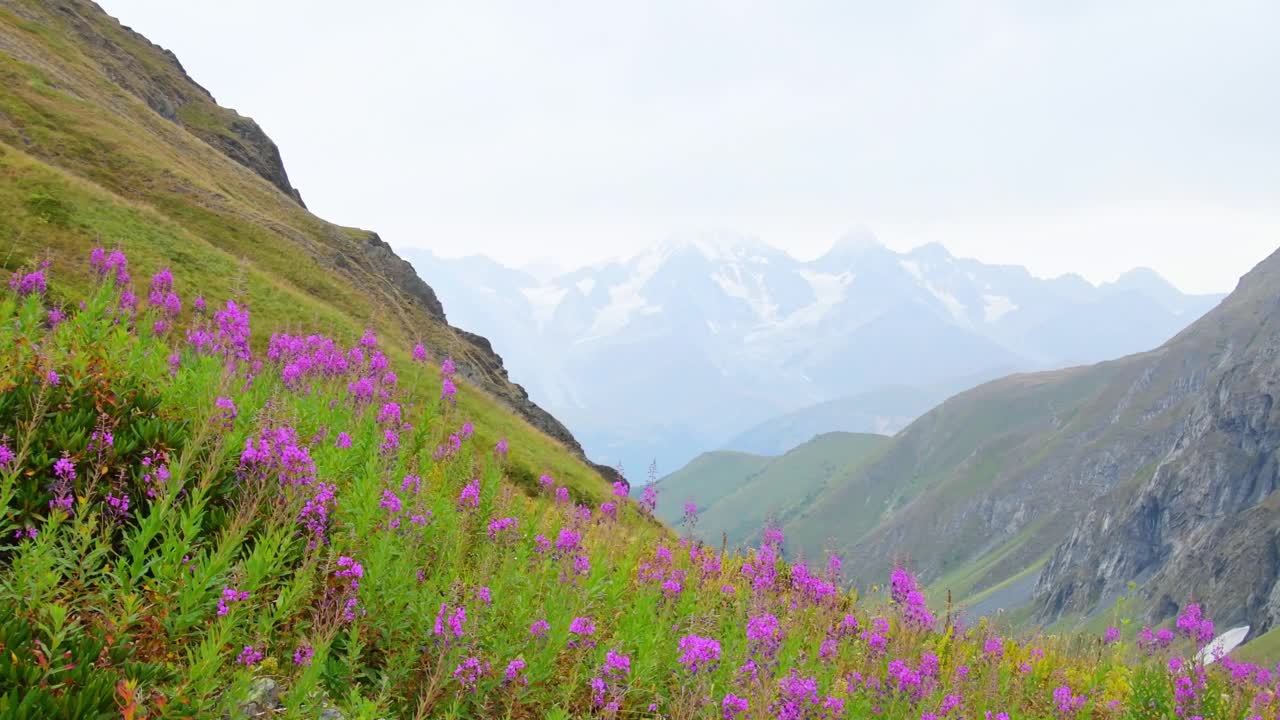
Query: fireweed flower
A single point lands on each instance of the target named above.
(419, 353)
(249, 656)
(649, 498)
(469, 672)
(547, 481)
(117, 506)
(1067, 703)
(763, 635)
(569, 540)
(699, 653)
(450, 623)
(501, 448)
(994, 648)
(467, 430)
(620, 489)
(582, 628)
(314, 515)
(7, 455)
(609, 510)
(343, 441)
(226, 406)
(448, 391)
(389, 414)
(1112, 635)
(1194, 625)
(539, 628)
(616, 664)
(501, 525)
(733, 706)
(55, 317)
(470, 496)
(411, 484)
(232, 336)
(513, 673)
(876, 638)
(64, 469)
(482, 594)
(230, 595)
(25, 284)
(772, 536)
(303, 655)
(51, 378)
(796, 696)
(390, 502)
(690, 513)
(562, 495)
(349, 568)
(907, 595)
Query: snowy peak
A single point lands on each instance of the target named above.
(717, 246)
(677, 348)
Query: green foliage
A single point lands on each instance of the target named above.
(212, 580)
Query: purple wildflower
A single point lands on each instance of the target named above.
(303, 655)
(249, 656)
(699, 653)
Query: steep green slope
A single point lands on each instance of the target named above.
(104, 140)
(738, 493)
(706, 480)
(1001, 493)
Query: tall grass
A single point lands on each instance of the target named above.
(186, 518)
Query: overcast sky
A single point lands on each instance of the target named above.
(1082, 136)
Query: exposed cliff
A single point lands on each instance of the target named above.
(1063, 487)
(1205, 524)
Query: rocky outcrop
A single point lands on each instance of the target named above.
(1158, 469)
(229, 182)
(156, 77)
(1205, 525)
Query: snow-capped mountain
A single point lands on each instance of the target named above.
(692, 341)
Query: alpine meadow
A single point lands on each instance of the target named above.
(250, 468)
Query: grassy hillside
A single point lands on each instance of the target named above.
(737, 493)
(980, 492)
(194, 528)
(104, 140)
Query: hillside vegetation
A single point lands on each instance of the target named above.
(195, 528)
(737, 494)
(1056, 490)
(104, 140)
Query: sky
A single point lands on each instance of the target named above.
(1087, 137)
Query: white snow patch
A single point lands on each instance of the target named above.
(625, 299)
(828, 291)
(949, 301)
(995, 307)
(749, 289)
(544, 301)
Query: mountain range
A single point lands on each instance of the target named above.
(689, 344)
(1052, 492)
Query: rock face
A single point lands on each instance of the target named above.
(1061, 488)
(158, 79)
(1205, 525)
(148, 116)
